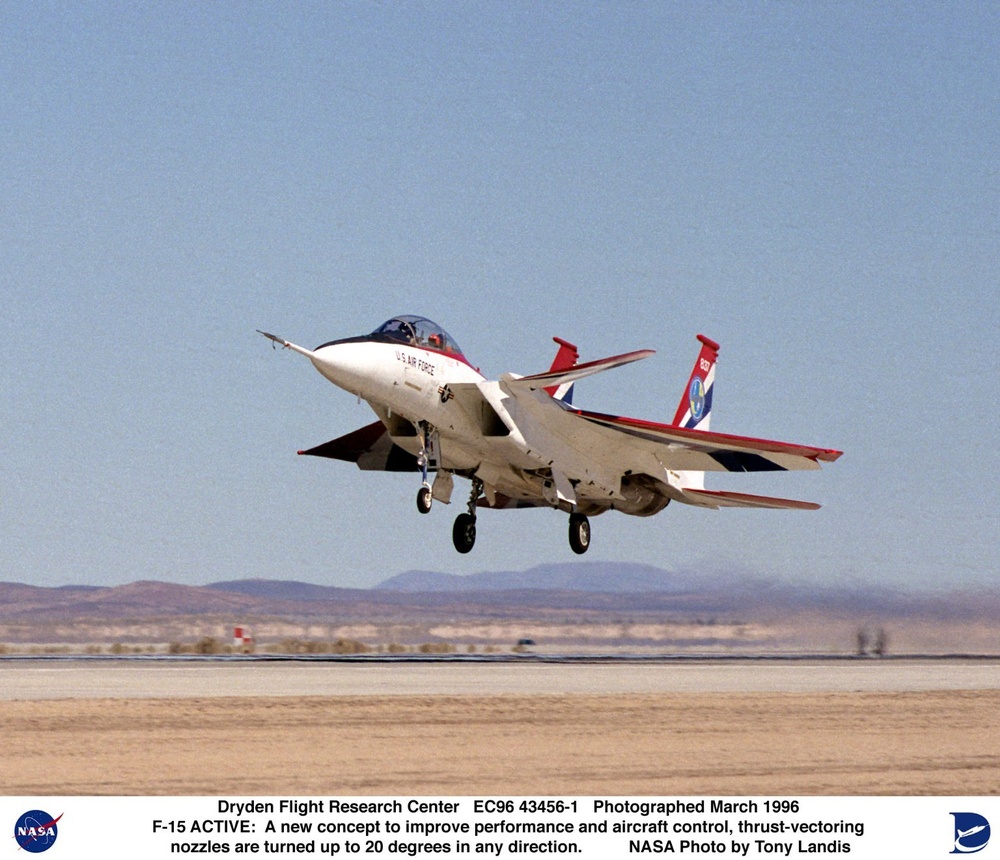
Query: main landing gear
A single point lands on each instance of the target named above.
(579, 533)
(463, 533)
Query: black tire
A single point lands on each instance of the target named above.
(579, 533)
(424, 500)
(463, 533)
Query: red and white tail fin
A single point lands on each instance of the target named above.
(565, 359)
(694, 412)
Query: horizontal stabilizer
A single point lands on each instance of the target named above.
(371, 448)
(723, 499)
(561, 377)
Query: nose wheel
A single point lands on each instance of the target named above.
(425, 459)
(579, 533)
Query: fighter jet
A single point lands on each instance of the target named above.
(520, 441)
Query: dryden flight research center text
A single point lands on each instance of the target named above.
(511, 827)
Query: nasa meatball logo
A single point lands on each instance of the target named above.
(972, 832)
(36, 831)
(697, 394)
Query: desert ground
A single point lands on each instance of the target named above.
(837, 742)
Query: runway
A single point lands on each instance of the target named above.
(35, 680)
(734, 727)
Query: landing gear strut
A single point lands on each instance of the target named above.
(425, 497)
(579, 533)
(463, 533)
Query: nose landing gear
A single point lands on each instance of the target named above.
(425, 459)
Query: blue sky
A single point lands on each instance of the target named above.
(813, 185)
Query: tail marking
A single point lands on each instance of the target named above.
(694, 412)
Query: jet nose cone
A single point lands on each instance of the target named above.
(344, 364)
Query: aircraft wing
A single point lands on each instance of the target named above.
(695, 450)
(594, 451)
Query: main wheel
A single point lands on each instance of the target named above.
(579, 533)
(424, 500)
(463, 533)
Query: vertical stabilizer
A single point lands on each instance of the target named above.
(694, 412)
(565, 359)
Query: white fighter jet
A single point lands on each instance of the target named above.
(519, 439)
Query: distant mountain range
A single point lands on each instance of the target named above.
(600, 577)
(596, 586)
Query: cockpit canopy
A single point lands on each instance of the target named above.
(418, 331)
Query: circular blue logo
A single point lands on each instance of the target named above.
(36, 831)
(972, 832)
(697, 395)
